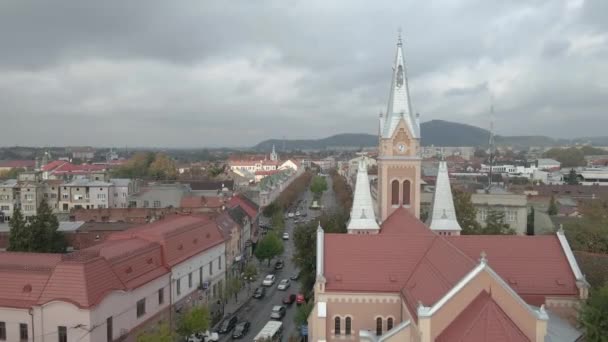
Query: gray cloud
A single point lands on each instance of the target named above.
(203, 73)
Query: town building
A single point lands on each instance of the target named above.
(159, 196)
(407, 282)
(514, 207)
(466, 152)
(548, 164)
(85, 153)
(83, 193)
(116, 289)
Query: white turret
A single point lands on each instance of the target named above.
(273, 154)
(443, 215)
(362, 216)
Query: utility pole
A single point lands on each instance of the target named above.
(491, 143)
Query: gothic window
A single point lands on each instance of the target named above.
(395, 192)
(347, 326)
(379, 326)
(389, 324)
(406, 192)
(337, 325)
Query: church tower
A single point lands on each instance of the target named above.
(398, 150)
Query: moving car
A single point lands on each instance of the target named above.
(278, 311)
(290, 215)
(227, 325)
(300, 299)
(289, 299)
(240, 330)
(279, 264)
(259, 292)
(204, 337)
(284, 284)
(286, 236)
(272, 331)
(269, 280)
(297, 213)
(295, 276)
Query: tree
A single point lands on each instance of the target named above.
(161, 334)
(19, 236)
(495, 224)
(594, 315)
(589, 233)
(278, 222)
(567, 156)
(466, 214)
(269, 247)
(530, 223)
(233, 286)
(12, 173)
(250, 273)
(302, 314)
(552, 207)
(318, 185)
(162, 168)
(572, 177)
(197, 319)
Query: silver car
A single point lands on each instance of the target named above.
(284, 284)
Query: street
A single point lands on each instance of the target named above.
(257, 311)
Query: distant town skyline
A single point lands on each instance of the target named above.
(199, 73)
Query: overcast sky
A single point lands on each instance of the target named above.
(231, 73)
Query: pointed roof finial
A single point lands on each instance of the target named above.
(399, 41)
(483, 259)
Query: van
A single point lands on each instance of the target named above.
(273, 330)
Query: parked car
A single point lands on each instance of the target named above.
(278, 311)
(204, 337)
(300, 299)
(259, 292)
(286, 236)
(290, 215)
(269, 280)
(279, 265)
(289, 299)
(295, 276)
(284, 284)
(227, 325)
(297, 213)
(240, 330)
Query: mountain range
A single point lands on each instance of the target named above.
(434, 132)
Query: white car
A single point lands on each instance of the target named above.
(297, 213)
(290, 215)
(269, 280)
(285, 236)
(204, 337)
(284, 284)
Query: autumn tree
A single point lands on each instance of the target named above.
(593, 316)
(589, 233)
(197, 319)
(466, 214)
(162, 168)
(269, 247)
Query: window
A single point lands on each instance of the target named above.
(190, 280)
(483, 214)
(406, 192)
(378, 326)
(109, 329)
(101, 196)
(347, 326)
(395, 192)
(29, 197)
(389, 324)
(4, 197)
(219, 263)
(141, 307)
(146, 204)
(28, 207)
(2, 331)
(23, 331)
(211, 268)
(200, 275)
(5, 207)
(161, 296)
(62, 333)
(178, 287)
(65, 196)
(156, 204)
(337, 325)
(511, 216)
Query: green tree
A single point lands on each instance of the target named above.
(197, 319)
(19, 236)
(46, 236)
(552, 207)
(568, 157)
(530, 222)
(250, 273)
(593, 316)
(269, 247)
(233, 286)
(572, 177)
(161, 334)
(304, 310)
(466, 214)
(318, 185)
(278, 222)
(304, 256)
(495, 224)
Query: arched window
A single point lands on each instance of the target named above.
(406, 192)
(395, 192)
(347, 326)
(379, 326)
(389, 324)
(337, 325)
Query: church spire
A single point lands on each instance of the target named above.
(443, 214)
(399, 104)
(362, 216)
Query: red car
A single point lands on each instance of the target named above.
(289, 299)
(300, 299)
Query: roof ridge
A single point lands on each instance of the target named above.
(417, 265)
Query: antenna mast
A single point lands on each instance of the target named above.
(491, 143)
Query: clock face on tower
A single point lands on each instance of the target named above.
(400, 147)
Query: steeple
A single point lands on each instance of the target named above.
(273, 154)
(443, 214)
(399, 104)
(362, 216)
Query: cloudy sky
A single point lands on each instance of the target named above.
(231, 73)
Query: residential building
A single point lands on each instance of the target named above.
(514, 207)
(114, 290)
(82, 152)
(234, 241)
(61, 169)
(466, 152)
(407, 282)
(548, 164)
(29, 192)
(159, 196)
(9, 198)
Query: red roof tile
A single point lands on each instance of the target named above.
(402, 221)
(53, 165)
(18, 163)
(201, 202)
(250, 208)
(482, 320)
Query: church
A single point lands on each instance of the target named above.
(395, 278)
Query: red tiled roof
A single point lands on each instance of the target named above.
(18, 163)
(53, 165)
(482, 320)
(201, 202)
(531, 265)
(402, 221)
(250, 208)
